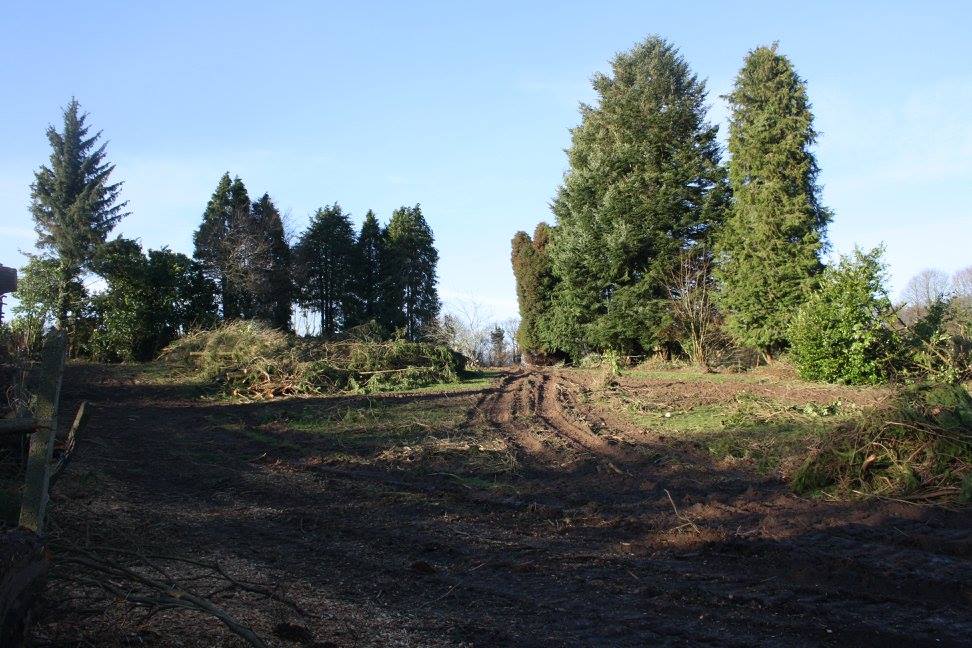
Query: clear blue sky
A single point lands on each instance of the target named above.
(465, 107)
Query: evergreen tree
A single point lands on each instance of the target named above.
(224, 246)
(644, 184)
(410, 298)
(74, 203)
(272, 287)
(535, 282)
(769, 250)
(369, 249)
(325, 259)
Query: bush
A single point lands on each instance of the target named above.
(940, 344)
(844, 333)
(919, 446)
(252, 361)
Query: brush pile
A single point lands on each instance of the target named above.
(917, 448)
(251, 361)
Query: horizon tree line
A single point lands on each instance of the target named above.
(243, 266)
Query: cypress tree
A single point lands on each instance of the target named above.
(272, 289)
(535, 282)
(325, 258)
(769, 250)
(411, 300)
(74, 203)
(369, 249)
(644, 184)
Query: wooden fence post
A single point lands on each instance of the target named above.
(37, 481)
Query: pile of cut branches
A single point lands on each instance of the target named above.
(254, 362)
(917, 448)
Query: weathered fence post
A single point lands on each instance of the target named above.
(37, 481)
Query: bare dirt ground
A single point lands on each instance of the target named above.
(519, 514)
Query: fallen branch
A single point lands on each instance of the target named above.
(686, 521)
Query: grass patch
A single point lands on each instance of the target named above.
(771, 435)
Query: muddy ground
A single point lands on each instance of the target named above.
(523, 514)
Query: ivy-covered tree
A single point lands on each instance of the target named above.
(644, 184)
(325, 267)
(410, 297)
(769, 250)
(40, 296)
(74, 203)
(271, 284)
(369, 250)
(535, 282)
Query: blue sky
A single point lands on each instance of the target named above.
(465, 108)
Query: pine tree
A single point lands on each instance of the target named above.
(535, 282)
(410, 298)
(369, 249)
(73, 202)
(769, 250)
(644, 184)
(272, 289)
(325, 259)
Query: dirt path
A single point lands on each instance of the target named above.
(579, 545)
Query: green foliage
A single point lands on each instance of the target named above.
(919, 446)
(271, 285)
(39, 296)
(252, 361)
(369, 251)
(843, 332)
(769, 250)
(409, 294)
(644, 184)
(225, 245)
(149, 301)
(939, 342)
(74, 204)
(535, 282)
(325, 263)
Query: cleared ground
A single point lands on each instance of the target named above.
(548, 507)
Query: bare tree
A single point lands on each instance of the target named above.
(465, 329)
(926, 288)
(691, 290)
(962, 283)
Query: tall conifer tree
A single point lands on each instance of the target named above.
(410, 298)
(769, 251)
(325, 264)
(644, 184)
(272, 285)
(74, 203)
(535, 282)
(369, 249)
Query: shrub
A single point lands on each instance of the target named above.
(843, 332)
(919, 446)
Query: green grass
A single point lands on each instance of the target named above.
(770, 435)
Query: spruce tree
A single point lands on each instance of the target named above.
(410, 298)
(535, 282)
(272, 286)
(325, 263)
(369, 249)
(644, 184)
(74, 203)
(769, 250)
